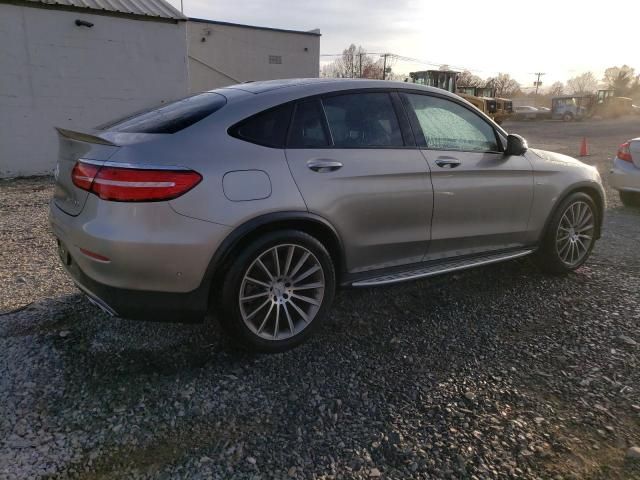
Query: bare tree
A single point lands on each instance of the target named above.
(583, 84)
(356, 63)
(372, 69)
(468, 79)
(620, 79)
(556, 89)
(504, 85)
(346, 65)
(328, 70)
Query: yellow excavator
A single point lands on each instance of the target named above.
(608, 105)
(480, 97)
(504, 106)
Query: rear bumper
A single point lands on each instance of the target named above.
(140, 304)
(624, 176)
(157, 263)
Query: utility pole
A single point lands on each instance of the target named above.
(360, 55)
(353, 66)
(384, 66)
(538, 82)
(182, 6)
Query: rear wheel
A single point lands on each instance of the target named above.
(567, 117)
(630, 199)
(570, 236)
(277, 291)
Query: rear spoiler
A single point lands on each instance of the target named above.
(84, 137)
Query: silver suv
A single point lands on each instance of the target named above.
(260, 199)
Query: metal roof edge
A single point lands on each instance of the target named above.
(315, 33)
(136, 15)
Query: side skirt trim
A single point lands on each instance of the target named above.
(429, 270)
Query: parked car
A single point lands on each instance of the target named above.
(258, 200)
(543, 113)
(525, 112)
(625, 174)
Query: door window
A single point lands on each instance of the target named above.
(449, 126)
(363, 120)
(307, 128)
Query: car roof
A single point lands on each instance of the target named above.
(246, 99)
(268, 85)
(337, 84)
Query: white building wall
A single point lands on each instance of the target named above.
(221, 55)
(54, 73)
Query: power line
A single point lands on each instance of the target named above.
(408, 59)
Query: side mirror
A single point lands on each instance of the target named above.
(516, 145)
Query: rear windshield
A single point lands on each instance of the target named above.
(170, 118)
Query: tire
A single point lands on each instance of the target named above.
(564, 247)
(567, 117)
(630, 199)
(267, 319)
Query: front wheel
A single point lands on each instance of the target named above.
(567, 117)
(570, 236)
(277, 291)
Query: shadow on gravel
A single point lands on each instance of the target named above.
(393, 371)
(362, 320)
(445, 321)
(45, 317)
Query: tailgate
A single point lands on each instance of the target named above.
(73, 146)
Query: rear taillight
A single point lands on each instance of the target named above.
(124, 184)
(83, 174)
(624, 153)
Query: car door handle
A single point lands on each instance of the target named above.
(323, 166)
(448, 162)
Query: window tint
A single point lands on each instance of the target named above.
(267, 128)
(363, 120)
(307, 127)
(171, 118)
(449, 126)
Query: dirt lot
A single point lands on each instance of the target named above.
(498, 372)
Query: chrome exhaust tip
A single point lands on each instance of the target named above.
(102, 305)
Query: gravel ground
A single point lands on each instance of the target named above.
(498, 372)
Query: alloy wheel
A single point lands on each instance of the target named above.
(281, 292)
(575, 233)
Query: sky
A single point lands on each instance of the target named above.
(562, 38)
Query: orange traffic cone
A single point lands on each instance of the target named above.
(584, 148)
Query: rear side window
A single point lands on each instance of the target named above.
(307, 128)
(171, 118)
(267, 128)
(363, 120)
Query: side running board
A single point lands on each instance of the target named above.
(441, 267)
